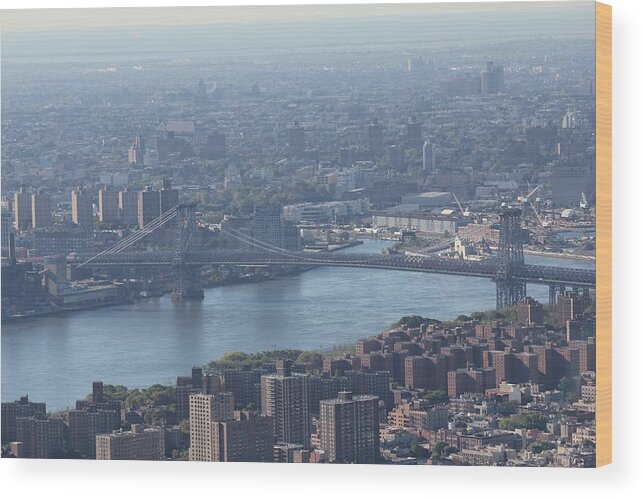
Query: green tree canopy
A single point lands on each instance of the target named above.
(434, 397)
(413, 321)
(234, 360)
(570, 388)
(528, 421)
(313, 359)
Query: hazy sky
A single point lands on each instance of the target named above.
(66, 19)
(41, 35)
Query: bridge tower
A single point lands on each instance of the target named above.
(187, 278)
(509, 291)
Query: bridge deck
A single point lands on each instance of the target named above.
(526, 273)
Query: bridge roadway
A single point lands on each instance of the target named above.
(539, 274)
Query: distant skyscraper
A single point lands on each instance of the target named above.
(82, 211)
(108, 210)
(395, 157)
(292, 240)
(492, 79)
(569, 120)
(285, 398)
(136, 152)
(296, 140)
(350, 428)
(200, 95)
(428, 157)
(6, 228)
(345, 156)
(22, 208)
(168, 197)
(268, 225)
(128, 207)
(149, 205)
(414, 133)
(375, 138)
(40, 210)
(243, 225)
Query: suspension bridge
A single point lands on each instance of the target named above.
(508, 270)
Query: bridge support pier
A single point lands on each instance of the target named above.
(187, 278)
(187, 283)
(509, 290)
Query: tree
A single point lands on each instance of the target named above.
(157, 416)
(314, 360)
(507, 314)
(113, 392)
(569, 387)
(155, 395)
(420, 452)
(414, 321)
(179, 455)
(438, 450)
(507, 408)
(239, 360)
(528, 421)
(434, 397)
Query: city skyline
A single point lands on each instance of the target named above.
(369, 231)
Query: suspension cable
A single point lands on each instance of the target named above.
(136, 236)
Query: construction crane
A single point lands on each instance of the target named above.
(465, 213)
(527, 199)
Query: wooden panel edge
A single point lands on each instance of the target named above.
(603, 234)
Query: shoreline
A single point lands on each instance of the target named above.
(206, 285)
(569, 256)
(49, 313)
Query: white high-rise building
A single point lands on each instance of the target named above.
(428, 157)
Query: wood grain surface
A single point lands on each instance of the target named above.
(603, 234)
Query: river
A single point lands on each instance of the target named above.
(55, 359)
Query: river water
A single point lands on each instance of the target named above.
(55, 359)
